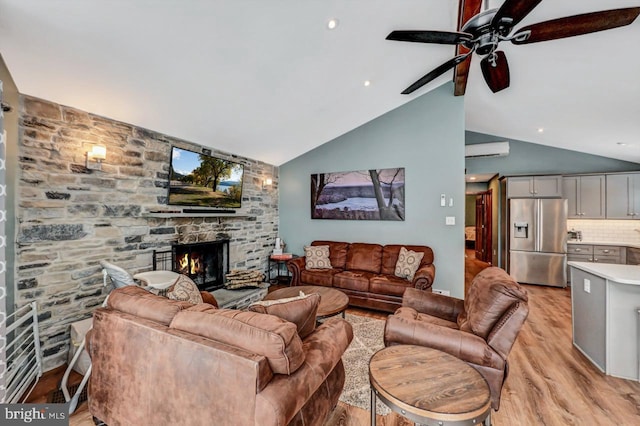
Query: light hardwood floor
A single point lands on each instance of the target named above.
(550, 382)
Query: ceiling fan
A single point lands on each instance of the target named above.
(482, 32)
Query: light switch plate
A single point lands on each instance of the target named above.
(450, 220)
(443, 200)
(587, 285)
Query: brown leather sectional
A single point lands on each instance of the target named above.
(365, 273)
(158, 361)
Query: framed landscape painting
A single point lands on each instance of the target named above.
(376, 194)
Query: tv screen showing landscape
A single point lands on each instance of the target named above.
(202, 180)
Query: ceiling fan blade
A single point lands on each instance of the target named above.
(575, 25)
(512, 12)
(495, 70)
(439, 37)
(467, 9)
(461, 74)
(435, 73)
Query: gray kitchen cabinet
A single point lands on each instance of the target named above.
(534, 187)
(596, 254)
(633, 256)
(623, 196)
(585, 196)
(580, 250)
(578, 253)
(609, 254)
(604, 317)
(588, 316)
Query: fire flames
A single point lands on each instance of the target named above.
(192, 266)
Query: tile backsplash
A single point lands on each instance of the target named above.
(622, 231)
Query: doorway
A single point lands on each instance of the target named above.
(483, 244)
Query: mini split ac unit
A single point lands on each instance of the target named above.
(493, 149)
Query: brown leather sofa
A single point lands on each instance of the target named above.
(158, 361)
(480, 329)
(365, 273)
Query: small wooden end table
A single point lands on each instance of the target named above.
(280, 260)
(428, 386)
(332, 301)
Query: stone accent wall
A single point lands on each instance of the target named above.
(70, 217)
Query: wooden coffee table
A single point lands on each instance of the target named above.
(332, 301)
(428, 386)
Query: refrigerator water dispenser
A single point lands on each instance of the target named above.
(521, 230)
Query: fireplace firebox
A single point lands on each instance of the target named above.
(205, 263)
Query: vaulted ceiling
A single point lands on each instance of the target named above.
(268, 80)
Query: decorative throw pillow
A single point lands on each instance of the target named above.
(317, 257)
(300, 310)
(408, 263)
(186, 290)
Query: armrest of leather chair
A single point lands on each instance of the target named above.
(433, 304)
(465, 346)
(423, 278)
(296, 266)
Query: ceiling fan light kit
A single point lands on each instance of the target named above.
(483, 32)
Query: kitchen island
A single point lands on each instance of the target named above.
(605, 301)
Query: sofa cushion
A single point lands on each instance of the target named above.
(391, 252)
(299, 310)
(139, 302)
(388, 284)
(364, 257)
(353, 280)
(266, 335)
(322, 277)
(317, 257)
(408, 263)
(491, 294)
(184, 289)
(337, 252)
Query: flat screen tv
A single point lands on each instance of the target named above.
(202, 180)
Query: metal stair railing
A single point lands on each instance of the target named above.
(23, 354)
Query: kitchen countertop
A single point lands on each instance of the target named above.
(623, 274)
(603, 243)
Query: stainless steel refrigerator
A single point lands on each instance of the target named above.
(538, 241)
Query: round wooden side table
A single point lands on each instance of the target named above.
(428, 386)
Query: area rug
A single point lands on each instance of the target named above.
(367, 340)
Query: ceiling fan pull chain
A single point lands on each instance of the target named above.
(492, 59)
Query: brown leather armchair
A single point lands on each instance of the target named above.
(479, 330)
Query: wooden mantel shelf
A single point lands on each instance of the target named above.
(171, 215)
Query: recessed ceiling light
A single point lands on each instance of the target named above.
(367, 83)
(332, 23)
(621, 144)
(540, 130)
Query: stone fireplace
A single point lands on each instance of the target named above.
(206, 263)
(69, 217)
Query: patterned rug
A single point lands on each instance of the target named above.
(367, 340)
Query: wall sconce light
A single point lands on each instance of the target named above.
(96, 156)
(267, 182)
